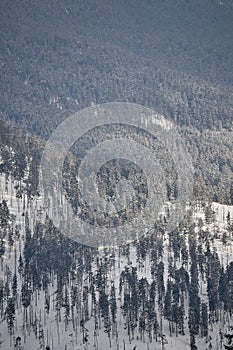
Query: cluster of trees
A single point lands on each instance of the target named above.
(20, 158)
(69, 62)
(49, 76)
(162, 62)
(77, 287)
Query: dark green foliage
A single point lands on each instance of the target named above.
(5, 217)
(193, 343)
(10, 314)
(164, 62)
(204, 320)
(214, 271)
(223, 289)
(14, 286)
(26, 294)
(194, 299)
(113, 304)
(168, 301)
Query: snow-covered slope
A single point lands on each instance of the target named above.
(37, 327)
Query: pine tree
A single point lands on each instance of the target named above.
(113, 304)
(66, 305)
(204, 320)
(213, 276)
(10, 314)
(193, 342)
(181, 314)
(14, 286)
(26, 295)
(194, 299)
(223, 289)
(20, 267)
(168, 301)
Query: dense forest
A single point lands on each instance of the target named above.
(166, 290)
(56, 293)
(174, 57)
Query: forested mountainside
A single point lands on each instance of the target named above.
(164, 291)
(58, 57)
(211, 153)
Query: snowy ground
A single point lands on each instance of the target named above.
(60, 337)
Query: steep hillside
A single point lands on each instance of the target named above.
(58, 57)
